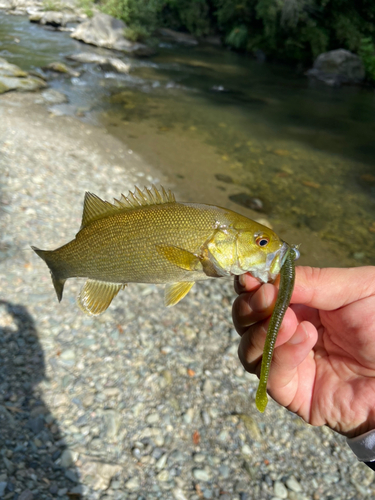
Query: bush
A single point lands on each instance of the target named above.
(367, 54)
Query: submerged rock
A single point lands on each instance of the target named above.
(337, 67)
(247, 201)
(105, 63)
(88, 57)
(59, 67)
(106, 31)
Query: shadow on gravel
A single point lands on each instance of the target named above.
(31, 449)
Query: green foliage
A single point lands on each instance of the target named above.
(51, 5)
(134, 13)
(289, 30)
(238, 37)
(136, 32)
(87, 7)
(367, 54)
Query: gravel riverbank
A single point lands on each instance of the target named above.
(142, 402)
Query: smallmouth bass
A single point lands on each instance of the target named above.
(148, 237)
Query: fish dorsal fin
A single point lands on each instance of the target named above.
(96, 296)
(95, 208)
(174, 292)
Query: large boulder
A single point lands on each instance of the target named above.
(106, 31)
(337, 67)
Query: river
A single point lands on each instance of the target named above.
(231, 131)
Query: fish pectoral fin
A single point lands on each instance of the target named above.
(180, 257)
(174, 292)
(96, 296)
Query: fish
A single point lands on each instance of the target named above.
(149, 237)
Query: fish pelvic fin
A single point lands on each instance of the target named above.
(174, 292)
(96, 296)
(57, 281)
(95, 208)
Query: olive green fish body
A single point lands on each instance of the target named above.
(147, 237)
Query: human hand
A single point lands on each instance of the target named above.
(323, 366)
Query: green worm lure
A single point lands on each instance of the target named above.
(287, 277)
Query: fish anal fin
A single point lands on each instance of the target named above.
(180, 257)
(95, 208)
(174, 292)
(96, 296)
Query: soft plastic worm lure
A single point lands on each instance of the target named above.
(287, 277)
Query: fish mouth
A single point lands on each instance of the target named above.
(275, 261)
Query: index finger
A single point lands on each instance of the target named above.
(245, 283)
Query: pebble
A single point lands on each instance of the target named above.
(280, 490)
(26, 495)
(201, 475)
(68, 458)
(132, 484)
(3, 485)
(293, 484)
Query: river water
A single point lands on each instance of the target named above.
(230, 131)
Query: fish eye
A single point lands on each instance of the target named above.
(262, 241)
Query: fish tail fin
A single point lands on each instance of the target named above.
(57, 281)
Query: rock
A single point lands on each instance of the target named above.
(8, 69)
(3, 485)
(72, 476)
(280, 490)
(176, 36)
(106, 31)
(247, 201)
(114, 64)
(337, 67)
(26, 495)
(59, 67)
(88, 57)
(9, 465)
(224, 178)
(132, 484)
(112, 421)
(36, 425)
(68, 457)
(201, 475)
(53, 18)
(28, 84)
(294, 485)
(52, 96)
(102, 474)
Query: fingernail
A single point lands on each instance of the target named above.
(299, 336)
(242, 279)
